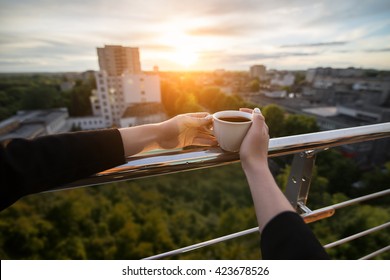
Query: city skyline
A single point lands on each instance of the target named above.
(53, 36)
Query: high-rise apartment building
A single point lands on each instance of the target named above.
(120, 83)
(116, 60)
(258, 71)
(121, 86)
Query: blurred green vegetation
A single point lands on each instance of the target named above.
(137, 219)
(40, 91)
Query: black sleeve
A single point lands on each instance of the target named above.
(287, 237)
(32, 166)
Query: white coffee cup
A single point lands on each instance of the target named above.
(229, 131)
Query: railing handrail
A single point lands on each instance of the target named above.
(171, 161)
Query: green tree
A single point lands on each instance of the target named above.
(187, 103)
(341, 172)
(79, 103)
(299, 124)
(169, 95)
(40, 97)
(254, 85)
(375, 180)
(274, 116)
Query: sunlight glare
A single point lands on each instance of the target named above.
(185, 57)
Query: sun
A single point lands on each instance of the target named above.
(184, 57)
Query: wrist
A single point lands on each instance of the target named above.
(255, 166)
(139, 138)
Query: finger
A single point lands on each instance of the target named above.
(203, 141)
(247, 110)
(257, 112)
(205, 130)
(198, 115)
(198, 120)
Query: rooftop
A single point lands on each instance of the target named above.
(330, 111)
(143, 109)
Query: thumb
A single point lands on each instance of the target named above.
(257, 115)
(259, 121)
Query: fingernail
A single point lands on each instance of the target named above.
(208, 117)
(257, 110)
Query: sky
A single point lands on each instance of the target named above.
(57, 36)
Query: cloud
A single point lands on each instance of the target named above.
(247, 58)
(239, 31)
(222, 29)
(377, 50)
(158, 47)
(314, 45)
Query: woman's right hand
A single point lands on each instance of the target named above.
(254, 148)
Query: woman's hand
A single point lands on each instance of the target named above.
(180, 131)
(186, 130)
(268, 199)
(254, 147)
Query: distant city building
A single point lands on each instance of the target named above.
(341, 98)
(120, 83)
(87, 123)
(343, 116)
(220, 72)
(346, 86)
(115, 93)
(228, 90)
(34, 123)
(283, 80)
(276, 94)
(334, 72)
(258, 71)
(116, 60)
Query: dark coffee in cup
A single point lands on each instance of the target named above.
(234, 119)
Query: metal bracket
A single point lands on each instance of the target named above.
(299, 180)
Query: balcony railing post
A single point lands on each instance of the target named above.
(299, 180)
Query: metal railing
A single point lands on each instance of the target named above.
(304, 147)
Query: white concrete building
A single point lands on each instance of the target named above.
(115, 93)
(33, 123)
(87, 123)
(120, 84)
(285, 80)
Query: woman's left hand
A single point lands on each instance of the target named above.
(186, 130)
